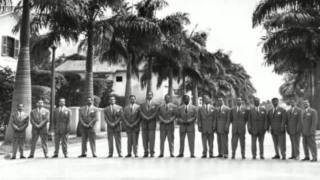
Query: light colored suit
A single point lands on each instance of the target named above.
(19, 124)
(131, 117)
(39, 117)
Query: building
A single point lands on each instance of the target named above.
(117, 74)
(9, 41)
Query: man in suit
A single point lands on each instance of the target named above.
(87, 120)
(309, 125)
(148, 113)
(223, 124)
(277, 121)
(206, 125)
(167, 115)
(257, 127)
(238, 118)
(61, 127)
(19, 123)
(112, 116)
(186, 118)
(39, 118)
(294, 123)
(131, 121)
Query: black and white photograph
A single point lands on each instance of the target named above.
(159, 89)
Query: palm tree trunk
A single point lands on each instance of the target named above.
(22, 85)
(149, 81)
(128, 83)
(316, 90)
(89, 64)
(170, 83)
(195, 94)
(184, 85)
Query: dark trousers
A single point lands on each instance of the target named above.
(295, 145)
(44, 138)
(191, 137)
(88, 134)
(309, 144)
(148, 140)
(63, 138)
(18, 142)
(279, 142)
(116, 135)
(223, 144)
(207, 140)
(236, 137)
(260, 138)
(133, 137)
(167, 133)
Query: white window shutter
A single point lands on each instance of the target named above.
(4, 46)
(16, 49)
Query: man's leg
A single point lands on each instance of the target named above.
(297, 145)
(56, 144)
(162, 140)
(44, 140)
(92, 141)
(305, 147)
(129, 141)
(313, 147)
(219, 137)
(84, 140)
(135, 142)
(21, 141)
(182, 138)
(234, 143)
(152, 138)
(171, 141)
(117, 137)
(261, 145)
(14, 147)
(282, 141)
(254, 146)
(191, 137)
(276, 144)
(293, 149)
(34, 139)
(204, 144)
(243, 145)
(210, 143)
(225, 147)
(110, 143)
(145, 140)
(64, 144)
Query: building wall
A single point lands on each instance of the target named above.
(8, 21)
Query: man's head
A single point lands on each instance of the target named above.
(206, 99)
(275, 102)
(62, 102)
(20, 107)
(186, 99)
(89, 101)
(256, 102)
(292, 102)
(132, 99)
(220, 102)
(40, 103)
(306, 104)
(239, 101)
(149, 95)
(112, 100)
(167, 98)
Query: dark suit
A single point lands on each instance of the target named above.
(113, 115)
(148, 126)
(187, 128)
(222, 124)
(238, 118)
(309, 125)
(167, 112)
(19, 124)
(257, 127)
(88, 116)
(131, 116)
(61, 126)
(206, 125)
(277, 120)
(294, 123)
(36, 118)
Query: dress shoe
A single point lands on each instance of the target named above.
(110, 156)
(276, 157)
(180, 156)
(136, 156)
(232, 157)
(13, 157)
(219, 156)
(161, 156)
(254, 158)
(82, 156)
(262, 158)
(128, 156)
(243, 157)
(291, 157)
(297, 158)
(314, 160)
(192, 156)
(55, 156)
(305, 159)
(211, 156)
(284, 158)
(30, 157)
(171, 155)
(66, 156)
(22, 157)
(120, 156)
(151, 155)
(145, 155)
(46, 156)
(204, 156)
(94, 156)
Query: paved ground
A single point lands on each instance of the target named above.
(167, 168)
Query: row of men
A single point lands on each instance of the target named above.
(296, 122)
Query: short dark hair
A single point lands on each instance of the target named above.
(132, 96)
(274, 99)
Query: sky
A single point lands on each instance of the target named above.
(230, 28)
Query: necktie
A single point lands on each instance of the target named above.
(131, 108)
(186, 109)
(207, 108)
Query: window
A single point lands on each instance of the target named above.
(10, 47)
(119, 79)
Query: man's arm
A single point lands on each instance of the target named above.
(228, 120)
(23, 127)
(194, 118)
(14, 126)
(93, 122)
(283, 119)
(314, 122)
(249, 120)
(118, 117)
(299, 124)
(199, 122)
(68, 121)
(46, 119)
(32, 121)
(81, 120)
(106, 119)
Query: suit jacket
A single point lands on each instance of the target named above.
(277, 121)
(113, 116)
(38, 117)
(294, 121)
(88, 115)
(148, 110)
(61, 120)
(309, 122)
(19, 121)
(167, 113)
(132, 116)
(192, 112)
(239, 120)
(257, 121)
(223, 120)
(206, 120)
